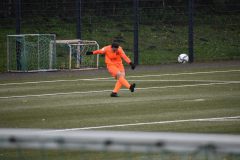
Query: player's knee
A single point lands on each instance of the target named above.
(120, 74)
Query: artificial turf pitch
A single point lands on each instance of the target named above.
(196, 98)
(81, 99)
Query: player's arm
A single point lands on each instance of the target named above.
(125, 57)
(100, 51)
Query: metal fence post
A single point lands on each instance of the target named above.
(135, 28)
(18, 16)
(79, 18)
(18, 31)
(190, 31)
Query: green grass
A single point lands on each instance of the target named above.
(166, 103)
(96, 109)
(65, 155)
(159, 43)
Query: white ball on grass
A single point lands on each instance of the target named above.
(183, 58)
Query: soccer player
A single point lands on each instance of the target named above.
(113, 59)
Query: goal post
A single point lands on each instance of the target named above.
(71, 54)
(31, 52)
(42, 52)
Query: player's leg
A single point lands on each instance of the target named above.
(123, 81)
(119, 73)
(113, 70)
(122, 76)
(117, 87)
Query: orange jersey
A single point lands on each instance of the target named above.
(112, 57)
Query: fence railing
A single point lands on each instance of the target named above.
(213, 145)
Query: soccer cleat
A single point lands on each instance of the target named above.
(132, 87)
(113, 94)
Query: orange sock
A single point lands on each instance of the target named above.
(124, 82)
(118, 85)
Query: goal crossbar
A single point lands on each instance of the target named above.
(70, 41)
(77, 49)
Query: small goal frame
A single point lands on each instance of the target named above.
(78, 43)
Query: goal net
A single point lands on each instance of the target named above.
(71, 54)
(108, 145)
(31, 52)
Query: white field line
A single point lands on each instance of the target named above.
(149, 123)
(187, 73)
(54, 81)
(101, 91)
(55, 94)
(109, 78)
(178, 80)
(189, 85)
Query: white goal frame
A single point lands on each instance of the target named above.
(78, 43)
(44, 59)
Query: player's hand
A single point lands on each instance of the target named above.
(89, 53)
(132, 65)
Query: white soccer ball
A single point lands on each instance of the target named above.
(183, 58)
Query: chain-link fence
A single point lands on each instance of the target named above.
(163, 26)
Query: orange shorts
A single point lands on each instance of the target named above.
(113, 69)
